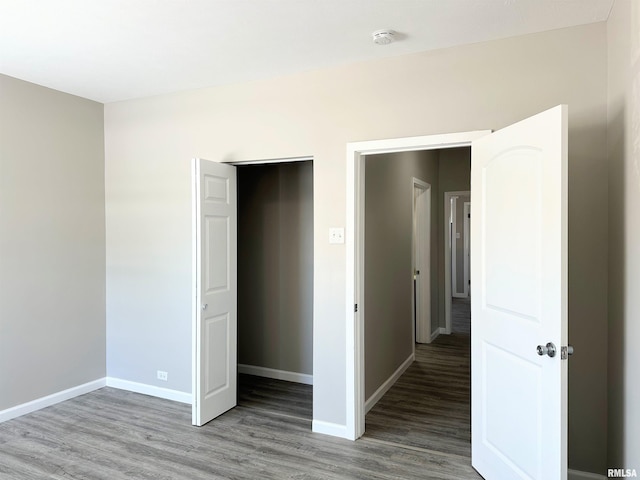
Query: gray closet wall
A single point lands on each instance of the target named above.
(275, 266)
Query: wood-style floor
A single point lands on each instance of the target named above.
(113, 434)
(275, 397)
(429, 406)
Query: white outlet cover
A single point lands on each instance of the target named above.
(336, 235)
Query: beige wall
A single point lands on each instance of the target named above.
(623, 140)
(275, 266)
(388, 299)
(52, 264)
(483, 86)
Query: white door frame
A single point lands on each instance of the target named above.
(459, 227)
(452, 258)
(421, 242)
(354, 240)
(465, 249)
(449, 274)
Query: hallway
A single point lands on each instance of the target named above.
(429, 406)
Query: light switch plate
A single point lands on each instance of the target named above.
(336, 235)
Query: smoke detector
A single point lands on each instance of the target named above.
(383, 37)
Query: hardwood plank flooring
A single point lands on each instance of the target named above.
(429, 406)
(115, 435)
(275, 396)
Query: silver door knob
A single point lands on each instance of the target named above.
(204, 306)
(548, 349)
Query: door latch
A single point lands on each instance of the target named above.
(565, 352)
(550, 349)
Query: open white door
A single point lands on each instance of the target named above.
(422, 259)
(519, 273)
(215, 290)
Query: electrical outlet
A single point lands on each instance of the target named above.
(336, 235)
(164, 376)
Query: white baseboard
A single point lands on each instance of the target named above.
(384, 388)
(277, 374)
(49, 400)
(578, 475)
(327, 428)
(152, 390)
(438, 331)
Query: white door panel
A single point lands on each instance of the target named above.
(215, 289)
(519, 270)
(422, 259)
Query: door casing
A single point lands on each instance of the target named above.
(354, 240)
(421, 240)
(448, 255)
(195, 256)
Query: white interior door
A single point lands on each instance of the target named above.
(215, 290)
(519, 273)
(422, 259)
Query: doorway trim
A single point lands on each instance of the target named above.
(304, 378)
(354, 240)
(421, 242)
(448, 267)
(465, 247)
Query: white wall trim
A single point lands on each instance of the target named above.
(354, 244)
(49, 400)
(240, 163)
(327, 428)
(152, 390)
(438, 331)
(578, 475)
(448, 281)
(277, 374)
(453, 241)
(384, 388)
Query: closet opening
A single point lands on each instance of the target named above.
(275, 287)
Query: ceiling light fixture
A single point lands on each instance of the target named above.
(383, 37)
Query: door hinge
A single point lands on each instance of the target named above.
(355, 309)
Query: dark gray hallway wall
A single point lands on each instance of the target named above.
(275, 266)
(388, 259)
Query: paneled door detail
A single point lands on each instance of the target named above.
(215, 289)
(519, 274)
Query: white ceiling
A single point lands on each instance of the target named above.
(110, 50)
